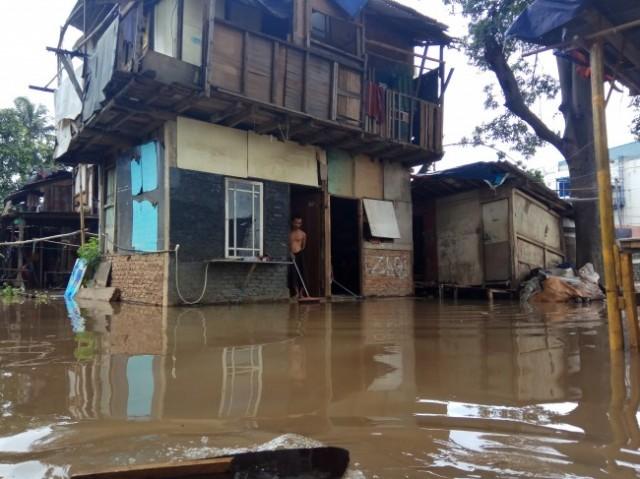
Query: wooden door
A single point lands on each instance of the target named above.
(497, 251)
(307, 203)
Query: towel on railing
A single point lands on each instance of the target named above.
(376, 104)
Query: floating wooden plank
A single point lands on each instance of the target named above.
(320, 462)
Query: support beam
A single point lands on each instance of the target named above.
(277, 124)
(605, 203)
(71, 74)
(630, 305)
(241, 116)
(232, 110)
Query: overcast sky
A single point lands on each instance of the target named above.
(28, 26)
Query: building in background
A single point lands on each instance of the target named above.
(45, 206)
(625, 187)
(487, 225)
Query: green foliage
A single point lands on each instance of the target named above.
(488, 23)
(26, 143)
(8, 291)
(90, 252)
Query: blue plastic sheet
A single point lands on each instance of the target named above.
(351, 7)
(541, 22)
(144, 236)
(141, 386)
(477, 171)
(144, 171)
(75, 281)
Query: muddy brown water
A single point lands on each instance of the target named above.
(413, 388)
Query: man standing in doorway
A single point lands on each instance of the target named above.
(297, 244)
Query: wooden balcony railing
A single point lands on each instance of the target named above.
(407, 119)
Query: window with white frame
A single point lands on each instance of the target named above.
(243, 218)
(110, 210)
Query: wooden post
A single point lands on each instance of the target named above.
(82, 174)
(629, 291)
(605, 203)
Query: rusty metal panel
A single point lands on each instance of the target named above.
(530, 257)
(535, 222)
(495, 228)
(368, 178)
(459, 226)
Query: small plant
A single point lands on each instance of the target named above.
(8, 291)
(90, 252)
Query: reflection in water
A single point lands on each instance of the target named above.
(411, 387)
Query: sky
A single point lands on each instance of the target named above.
(28, 26)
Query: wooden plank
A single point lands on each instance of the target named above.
(227, 64)
(318, 87)
(294, 89)
(258, 68)
(245, 62)
(170, 470)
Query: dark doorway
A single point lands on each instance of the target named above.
(307, 204)
(345, 245)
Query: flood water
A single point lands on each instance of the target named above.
(413, 388)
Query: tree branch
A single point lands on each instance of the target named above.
(514, 101)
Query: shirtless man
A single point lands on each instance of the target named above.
(297, 244)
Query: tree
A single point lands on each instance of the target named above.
(26, 143)
(521, 86)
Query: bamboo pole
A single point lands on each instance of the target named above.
(605, 203)
(629, 291)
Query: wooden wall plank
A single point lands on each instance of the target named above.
(227, 63)
(258, 68)
(319, 87)
(294, 80)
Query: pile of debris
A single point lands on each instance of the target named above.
(562, 285)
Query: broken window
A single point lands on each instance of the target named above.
(243, 218)
(178, 29)
(334, 32)
(381, 217)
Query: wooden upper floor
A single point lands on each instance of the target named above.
(302, 70)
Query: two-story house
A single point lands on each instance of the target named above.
(213, 122)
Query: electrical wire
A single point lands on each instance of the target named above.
(204, 286)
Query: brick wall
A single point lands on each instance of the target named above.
(140, 277)
(198, 226)
(387, 273)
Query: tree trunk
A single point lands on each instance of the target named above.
(578, 151)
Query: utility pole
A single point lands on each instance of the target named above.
(605, 202)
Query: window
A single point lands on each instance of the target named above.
(110, 210)
(335, 32)
(243, 218)
(563, 187)
(319, 26)
(381, 217)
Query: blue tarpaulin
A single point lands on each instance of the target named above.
(541, 22)
(493, 175)
(351, 7)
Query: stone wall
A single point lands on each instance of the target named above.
(139, 277)
(387, 273)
